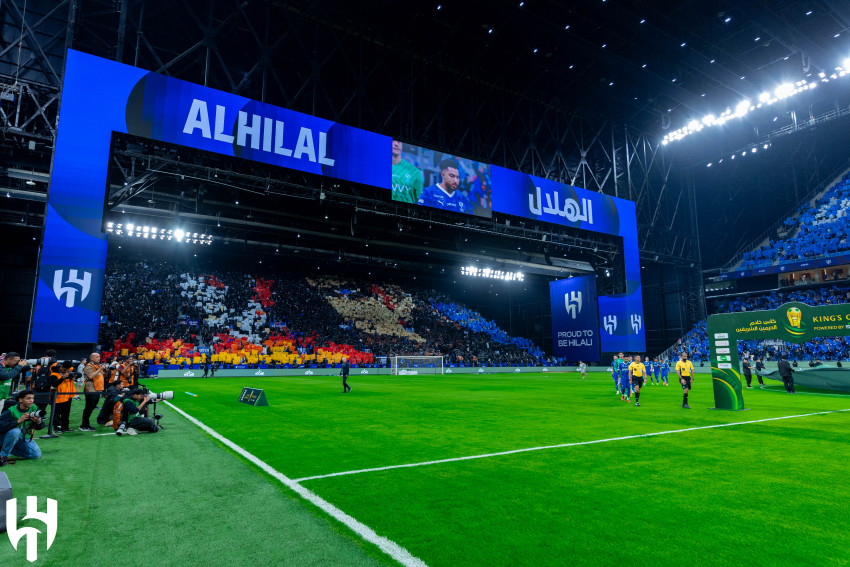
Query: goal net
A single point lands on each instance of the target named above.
(417, 364)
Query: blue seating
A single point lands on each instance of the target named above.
(822, 231)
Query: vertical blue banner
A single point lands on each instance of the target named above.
(621, 324)
(575, 324)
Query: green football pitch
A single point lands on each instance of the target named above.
(562, 473)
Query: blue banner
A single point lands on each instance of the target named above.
(575, 327)
(621, 324)
(100, 97)
(541, 199)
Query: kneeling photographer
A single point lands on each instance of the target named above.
(114, 393)
(17, 424)
(132, 414)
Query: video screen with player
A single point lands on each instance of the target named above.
(442, 181)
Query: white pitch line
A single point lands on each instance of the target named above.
(389, 547)
(561, 446)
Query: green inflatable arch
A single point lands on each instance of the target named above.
(792, 322)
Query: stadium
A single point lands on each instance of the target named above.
(424, 284)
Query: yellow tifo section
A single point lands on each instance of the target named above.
(369, 312)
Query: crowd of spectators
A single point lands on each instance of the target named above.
(150, 304)
(814, 231)
(827, 348)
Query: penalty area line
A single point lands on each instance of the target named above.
(388, 546)
(561, 446)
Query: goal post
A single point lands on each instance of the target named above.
(417, 364)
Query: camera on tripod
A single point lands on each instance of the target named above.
(157, 397)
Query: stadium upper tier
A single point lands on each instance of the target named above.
(815, 231)
(169, 314)
(696, 341)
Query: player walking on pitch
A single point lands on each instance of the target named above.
(344, 373)
(625, 388)
(582, 367)
(615, 371)
(685, 370)
(637, 374)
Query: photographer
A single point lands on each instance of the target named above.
(11, 375)
(131, 416)
(113, 395)
(63, 381)
(92, 387)
(15, 424)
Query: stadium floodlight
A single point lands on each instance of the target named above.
(764, 97)
(742, 108)
(179, 234)
(784, 90)
(846, 64)
(709, 119)
(129, 227)
(693, 125)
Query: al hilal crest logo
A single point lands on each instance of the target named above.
(573, 303)
(69, 288)
(308, 373)
(610, 323)
(50, 519)
(259, 373)
(637, 323)
(364, 371)
(188, 373)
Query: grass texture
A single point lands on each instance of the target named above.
(766, 493)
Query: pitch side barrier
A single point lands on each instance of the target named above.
(272, 372)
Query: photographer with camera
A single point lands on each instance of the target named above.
(16, 423)
(132, 419)
(92, 388)
(11, 374)
(114, 393)
(63, 381)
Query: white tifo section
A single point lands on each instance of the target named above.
(389, 547)
(530, 449)
(416, 364)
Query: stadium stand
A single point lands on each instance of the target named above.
(166, 315)
(815, 231)
(695, 342)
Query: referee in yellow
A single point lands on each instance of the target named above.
(637, 373)
(685, 370)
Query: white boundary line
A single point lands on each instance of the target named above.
(389, 547)
(530, 449)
